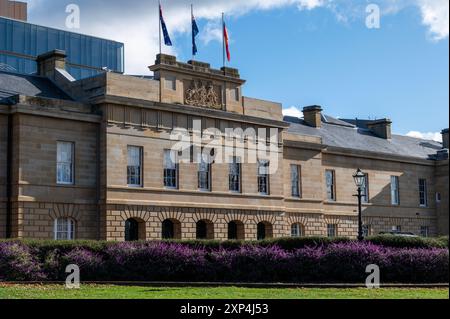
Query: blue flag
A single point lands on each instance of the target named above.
(194, 34)
(167, 40)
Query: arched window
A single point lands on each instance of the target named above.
(134, 229)
(297, 230)
(205, 229)
(264, 230)
(167, 229)
(171, 229)
(232, 230)
(64, 229)
(236, 230)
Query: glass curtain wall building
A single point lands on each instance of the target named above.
(22, 42)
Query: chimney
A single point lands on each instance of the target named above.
(312, 115)
(49, 62)
(445, 138)
(381, 128)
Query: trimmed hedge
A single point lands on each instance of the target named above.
(287, 243)
(343, 262)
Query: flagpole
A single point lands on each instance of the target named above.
(224, 98)
(192, 27)
(159, 24)
(223, 40)
(160, 52)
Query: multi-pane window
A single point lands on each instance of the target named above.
(234, 177)
(295, 181)
(424, 231)
(204, 173)
(64, 229)
(365, 189)
(423, 198)
(397, 228)
(170, 169)
(330, 184)
(297, 230)
(65, 165)
(134, 168)
(331, 230)
(395, 194)
(263, 177)
(367, 230)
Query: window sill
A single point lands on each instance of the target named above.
(65, 184)
(171, 188)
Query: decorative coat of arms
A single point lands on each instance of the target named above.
(203, 95)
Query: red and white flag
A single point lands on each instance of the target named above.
(226, 41)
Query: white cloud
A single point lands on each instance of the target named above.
(136, 22)
(292, 111)
(435, 16)
(212, 32)
(433, 136)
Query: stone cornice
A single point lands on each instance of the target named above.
(190, 110)
(53, 108)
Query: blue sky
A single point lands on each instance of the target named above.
(300, 52)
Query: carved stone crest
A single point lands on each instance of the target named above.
(203, 95)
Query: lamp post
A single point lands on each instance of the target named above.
(360, 181)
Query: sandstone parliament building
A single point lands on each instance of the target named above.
(90, 158)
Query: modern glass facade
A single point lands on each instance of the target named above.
(22, 42)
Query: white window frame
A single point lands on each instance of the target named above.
(395, 191)
(235, 161)
(297, 230)
(69, 230)
(140, 166)
(365, 198)
(173, 155)
(331, 195)
(263, 165)
(296, 183)
(334, 228)
(423, 192)
(367, 230)
(71, 163)
(207, 173)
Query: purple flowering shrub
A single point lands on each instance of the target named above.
(343, 262)
(18, 264)
(156, 261)
(91, 264)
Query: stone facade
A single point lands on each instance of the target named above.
(105, 116)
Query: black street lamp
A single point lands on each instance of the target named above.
(360, 181)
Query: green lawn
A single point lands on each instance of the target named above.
(131, 292)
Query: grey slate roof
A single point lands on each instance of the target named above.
(12, 84)
(352, 137)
